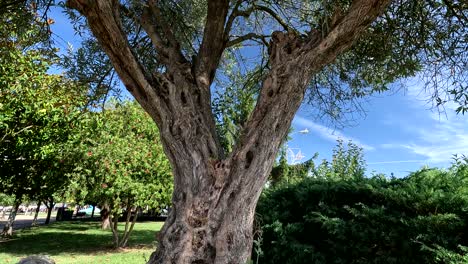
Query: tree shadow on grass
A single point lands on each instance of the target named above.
(71, 238)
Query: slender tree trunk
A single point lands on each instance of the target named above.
(8, 228)
(128, 216)
(128, 232)
(92, 212)
(114, 225)
(105, 215)
(50, 207)
(36, 214)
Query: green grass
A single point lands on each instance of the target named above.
(80, 242)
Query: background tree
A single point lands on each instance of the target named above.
(123, 166)
(347, 163)
(5, 201)
(284, 173)
(341, 50)
(37, 116)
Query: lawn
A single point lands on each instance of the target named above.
(80, 242)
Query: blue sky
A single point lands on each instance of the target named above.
(399, 133)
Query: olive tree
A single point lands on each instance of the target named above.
(121, 166)
(169, 55)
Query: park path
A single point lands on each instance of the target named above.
(24, 221)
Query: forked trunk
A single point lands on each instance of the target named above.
(128, 227)
(214, 201)
(215, 196)
(8, 228)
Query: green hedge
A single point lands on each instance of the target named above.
(417, 219)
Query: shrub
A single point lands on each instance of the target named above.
(418, 219)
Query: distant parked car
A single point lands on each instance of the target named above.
(89, 211)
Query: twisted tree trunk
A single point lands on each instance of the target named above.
(215, 195)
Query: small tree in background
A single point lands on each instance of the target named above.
(37, 117)
(347, 163)
(123, 166)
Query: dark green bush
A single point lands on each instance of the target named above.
(417, 219)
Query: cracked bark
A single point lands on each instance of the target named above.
(215, 195)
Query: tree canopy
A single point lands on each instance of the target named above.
(423, 39)
(37, 114)
(119, 165)
(37, 118)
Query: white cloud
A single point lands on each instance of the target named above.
(328, 133)
(396, 162)
(390, 146)
(442, 135)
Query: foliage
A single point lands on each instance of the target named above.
(122, 164)
(6, 200)
(285, 173)
(37, 117)
(443, 255)
(424, 39)
(23, 27)
(347, 163)
(367, 220)
(234, 100)
(97, 75)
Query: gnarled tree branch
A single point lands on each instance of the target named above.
(213, 43)
(104, 20)
(293, 61)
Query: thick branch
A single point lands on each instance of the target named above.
(293, 61)
(346, 29)
(104, 20)
(213, 43)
